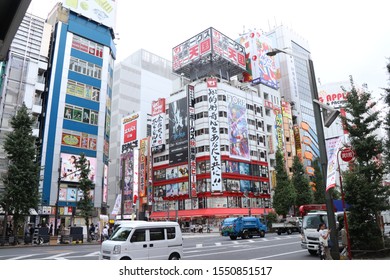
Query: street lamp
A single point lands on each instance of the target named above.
(321, 143)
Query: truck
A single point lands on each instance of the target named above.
(313, 215)
(244, 227)
(288, 226)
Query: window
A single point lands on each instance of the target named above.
(138, 236)
(156, 234)
(171, 233)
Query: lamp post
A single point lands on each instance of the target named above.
(321, 144)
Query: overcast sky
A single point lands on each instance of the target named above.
(345, 37)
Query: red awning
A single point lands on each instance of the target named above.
(210, 212)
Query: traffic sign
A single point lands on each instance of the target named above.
(347, 154)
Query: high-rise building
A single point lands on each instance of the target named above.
(77, 106)
(24, 76)
(139, 79)
(295, 90)
(214, 164)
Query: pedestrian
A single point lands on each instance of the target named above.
(92, 231)
(324, 240)
(51, 229)
(105, 233)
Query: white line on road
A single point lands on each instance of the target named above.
(92, 254)
(239, 248)
(22, 257)
(251, 241)
(57, 256)
(278, 255)
(199, 245)
(218, 244)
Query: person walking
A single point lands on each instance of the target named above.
(324, 240)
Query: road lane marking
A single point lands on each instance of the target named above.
(22, 257)
(278, 255)
(199, 245)
(251, 241)
(93, 254)
(218, 244)
(243, 249)
(57, 256)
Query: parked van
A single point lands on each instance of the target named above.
(141, 240)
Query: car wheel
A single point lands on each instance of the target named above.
(174, 257)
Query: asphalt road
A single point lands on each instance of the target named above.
(196, 247)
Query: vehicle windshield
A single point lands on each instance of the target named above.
(313, 221)
(121, 234)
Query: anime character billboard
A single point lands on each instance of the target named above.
(238, 128)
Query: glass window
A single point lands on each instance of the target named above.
(171, 233)
(121, 234)
(138, 236)
(156, 234)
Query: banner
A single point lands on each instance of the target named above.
(332, 147)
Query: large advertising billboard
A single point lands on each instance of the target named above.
(129, 132)
(260, 68)
(238, 128)
(69, 172)
(127, 162)
(178, 131)
(209, 47)
(215, 146)
(101, 11)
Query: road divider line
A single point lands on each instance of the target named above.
(278, 255)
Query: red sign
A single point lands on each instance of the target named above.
(347, 154)
(130, 133)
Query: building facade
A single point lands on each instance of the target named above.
(77, 108)
(215, 160)
(138, 81)
(23, 76)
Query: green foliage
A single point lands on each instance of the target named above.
(272, 217)
(387, 126)
(85, 204)
(284, 196)
(362, 183)
(318, 180)
(304, 194)
(22, 178)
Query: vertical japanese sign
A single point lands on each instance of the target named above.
(279, 127)
(178, 131)
(215, 149)
(127, 160)
(143, 166)
(238, 128)
(191, 139)
(105, 184)
(136, 176)
(158, 126)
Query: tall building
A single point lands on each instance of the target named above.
(295, 90)
(77, 107)
(214, 164)
(139, 79)
(24, 76)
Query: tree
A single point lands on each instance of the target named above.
(85, 204)
(318, 180)
(364, 190)
(387, 126)
(21, 181)
(304, 194)
(284, 196)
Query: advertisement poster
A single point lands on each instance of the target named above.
(238, 128)
(178, 131)
(69, 172)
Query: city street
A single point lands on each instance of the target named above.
(196, 247)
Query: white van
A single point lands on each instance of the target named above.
(139, 240)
